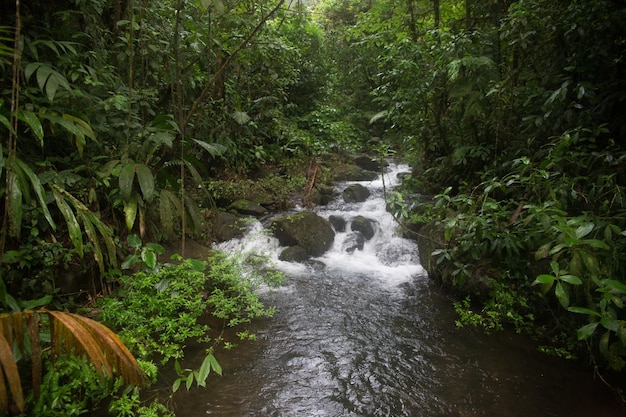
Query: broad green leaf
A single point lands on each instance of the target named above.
(6, 122)
(215, 149)
(76, 235)
(596, 244)
(40, 302)
(130, 213)
(217, 368)
(544, 279)
(584, 230)
(189, 381)
(134, 241)
(146, 181)
(204, 371)
(571, 279)
(176, 384)
(561, 293)
(583, 310)
(130, 261)
(149, 258)
(587, 330)
(126, 180)
(610, 323)
(615, 285)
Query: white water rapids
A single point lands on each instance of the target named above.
(367, 333)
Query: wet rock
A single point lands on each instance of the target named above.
(367, 227)
(351, 172)
(294, 254)
(338, 222)
(227, 226)
(248, 207)
(367, 163)
(354, 241)
(314, 233)
(355, 193)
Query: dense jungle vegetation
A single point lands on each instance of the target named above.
(125, 123)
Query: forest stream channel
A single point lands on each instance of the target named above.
(365, 332)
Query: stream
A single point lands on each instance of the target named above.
(367, 333)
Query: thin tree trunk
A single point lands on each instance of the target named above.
(436, 11)
(12, 142)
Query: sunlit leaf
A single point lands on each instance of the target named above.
(241, 117)
(130, 213)
(584, 230)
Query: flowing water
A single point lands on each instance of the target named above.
(367, 333)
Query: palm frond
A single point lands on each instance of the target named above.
(70, 334)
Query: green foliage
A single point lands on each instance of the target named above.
(71, 387)
(158, 312)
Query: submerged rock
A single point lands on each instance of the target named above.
(354, 241)
(307, 229)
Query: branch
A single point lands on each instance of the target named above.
(207, 88)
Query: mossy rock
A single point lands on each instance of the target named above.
(307, 229)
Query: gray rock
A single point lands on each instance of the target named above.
(293, 254)
(367, 163)
(355, 193)
(247, 207)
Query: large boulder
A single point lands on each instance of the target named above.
(367, 227)
(307, 229)
(368, 163)
(355, 193)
